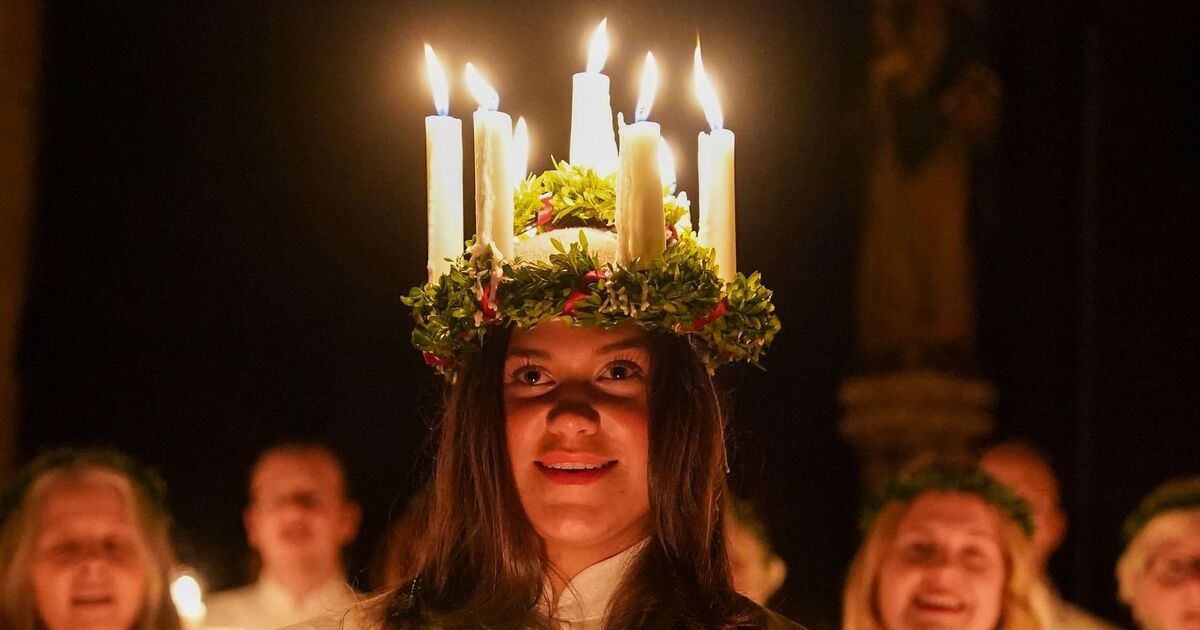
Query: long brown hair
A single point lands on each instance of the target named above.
(480, 563)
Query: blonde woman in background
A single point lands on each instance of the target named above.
(948, 547)
(1159, 571)
(84, 545)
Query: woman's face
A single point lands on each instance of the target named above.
(1166, 594)
(576, 402)
(88, 570)
(946, 568)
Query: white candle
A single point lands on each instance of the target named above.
(641, 224)
(592, 140)
(443, 168)
(519, 167)
(666, 165)
(715, 166)
(493, 184)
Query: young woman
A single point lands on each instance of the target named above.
(947, 547)
(1159, 571)
(84, 546)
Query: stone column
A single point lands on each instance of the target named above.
(20, 47)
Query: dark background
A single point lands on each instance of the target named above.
(231, 204)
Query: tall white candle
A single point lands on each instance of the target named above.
(641, 224)
(443, 168)
(592, 140)
(493, 183)
(715, 166)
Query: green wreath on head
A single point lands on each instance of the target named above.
(678, 293)
(1176, 494)
(906, 487)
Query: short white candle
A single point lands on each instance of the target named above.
(715, 166)
(641, 224)
(493, 184)
(443, 169)
(592, 141)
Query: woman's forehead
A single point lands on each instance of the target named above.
(555, 336)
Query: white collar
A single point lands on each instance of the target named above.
(584, 601)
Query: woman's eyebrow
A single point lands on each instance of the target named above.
(532, 353)
(624, 344)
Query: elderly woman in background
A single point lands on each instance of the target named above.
(84, 544)
(946, 546)
(1159, 571)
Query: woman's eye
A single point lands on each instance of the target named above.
(975, 560)
(622, 370)
(920, 552)
(530, 376)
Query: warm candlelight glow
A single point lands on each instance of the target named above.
(520, 152)
(484, 93)
(598, 49)
(707, 94)
(188, 599)
(666, 164)
(437, 82)
(648, 87)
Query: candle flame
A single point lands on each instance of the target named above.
(437, 82)
(646, 94)
(666, 164)
(484, 93)
(598, 49)
(520, 151)
(707, 95)
(188, 598)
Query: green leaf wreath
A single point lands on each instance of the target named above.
(679, 292)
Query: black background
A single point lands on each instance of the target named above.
(231, 203)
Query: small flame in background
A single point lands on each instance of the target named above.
(519, 164)
(666, 164)
(648, 88)
(188, 598)
(707, 94)
(437, 82)
(598, 48)
(484, 93)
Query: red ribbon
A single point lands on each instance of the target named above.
(434, 360)
(546, 214)
(581, 292)
(672, 233)
(485, 305)
(701, 322)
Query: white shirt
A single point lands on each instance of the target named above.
(267, 605)
(584, 601)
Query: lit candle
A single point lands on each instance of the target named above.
(443, 172)
(641, 224)
(715, 165)
(493, 154)
(189, 600)
(592, 141)
(520, 152)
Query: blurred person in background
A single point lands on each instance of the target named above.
(84, 546)
(757, 571)
(397, 556)
(1022, 467)
(947, 546)
(1159, 572)
(298, 521)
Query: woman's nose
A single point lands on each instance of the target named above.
(572, 413)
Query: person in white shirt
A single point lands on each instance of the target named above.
(298, 521)
(1022, 467)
